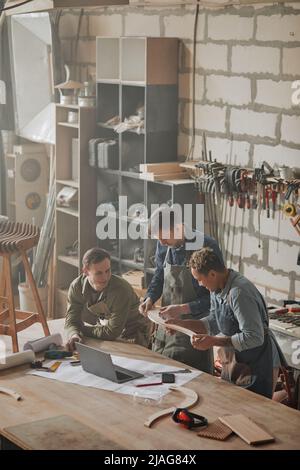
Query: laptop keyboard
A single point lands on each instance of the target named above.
(121, 376)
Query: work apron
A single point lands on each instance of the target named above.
(99, 314)
(251, 369)
(178, 289)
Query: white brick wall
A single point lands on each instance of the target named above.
(227, 151)
(186, 86)
(230, 27)
(142, 25)
(297, 288)
(231, 90)
(253, 123)
(106, 25)
(250, 247)
(184, 143)
(234, 214)
(212, 56)
(277, 94)
(290, 129)
(291, 61)
(283, 256)
(210, 118)
(209, 56)
(183, 26)
(288, 232)
(279, 227)
(255, 59)
(278, 28)
(223, 85)
(275, 281)
(279, 155)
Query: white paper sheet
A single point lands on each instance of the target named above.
(76, 375)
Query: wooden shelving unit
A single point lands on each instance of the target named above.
(75, 223)
(135, 72)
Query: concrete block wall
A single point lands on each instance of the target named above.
(247, 59)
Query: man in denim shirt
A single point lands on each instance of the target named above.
(248, 350)
(181, 293)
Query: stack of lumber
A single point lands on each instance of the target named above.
(191, 169)
(137, 281)
(135, 278)
(162, 171)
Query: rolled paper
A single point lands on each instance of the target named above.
(16, 359)
(42, 344)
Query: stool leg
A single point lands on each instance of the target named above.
(11, 304)
(35, 293)
(2, 286)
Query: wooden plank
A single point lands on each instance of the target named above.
(165, 167)
(249, 431)
(135, 278)
(162, 68)
(164, 176)
(57, 433)
(153, 315)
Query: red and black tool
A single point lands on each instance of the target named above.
(187, 419)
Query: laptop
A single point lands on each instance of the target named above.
(100, 363)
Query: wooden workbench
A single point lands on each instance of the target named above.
(120, 419)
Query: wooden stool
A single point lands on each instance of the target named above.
(16, 239)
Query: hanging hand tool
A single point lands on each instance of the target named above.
(293, 186)
(254, 201)
(274, 199)
(267, 202)
(289, 210)
(248, 201)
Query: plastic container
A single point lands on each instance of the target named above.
(27, 303)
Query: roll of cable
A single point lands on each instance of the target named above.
(42, 344)
(289, 210)
(16, 359)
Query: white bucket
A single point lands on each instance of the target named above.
(27, 303)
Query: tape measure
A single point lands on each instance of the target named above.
(289, 210)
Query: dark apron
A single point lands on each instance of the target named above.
(178, 289)
(251, 369)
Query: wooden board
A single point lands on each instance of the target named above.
(178, 175)
(249, 431)
(216, 430)
(158, 168)
(57, 433)
(135, 278)
(153, 315)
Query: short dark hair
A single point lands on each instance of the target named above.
(159, 217)
(206, 260)
(93, 256)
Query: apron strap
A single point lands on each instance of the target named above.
(166, 257)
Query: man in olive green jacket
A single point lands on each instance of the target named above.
(103, 305)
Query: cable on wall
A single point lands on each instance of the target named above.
(192, 146)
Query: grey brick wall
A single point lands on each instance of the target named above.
(247, 59)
